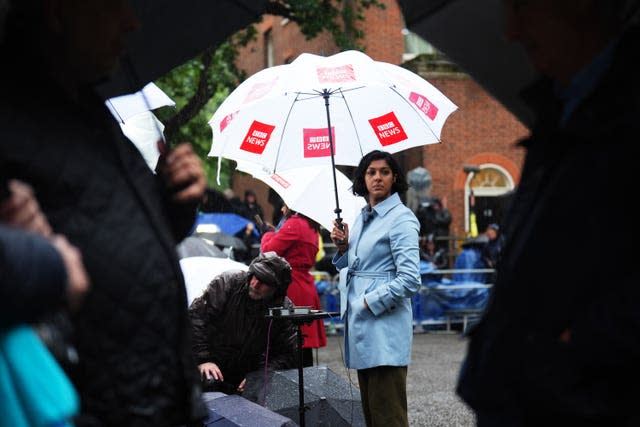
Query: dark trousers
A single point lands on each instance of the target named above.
(383, 391)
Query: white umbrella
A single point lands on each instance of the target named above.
(326, 111)
(198, 271)
(280, 117)
(144, 130)
(138, 123)
(149, 98)
(306, 190)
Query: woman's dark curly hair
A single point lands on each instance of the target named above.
(360, 188)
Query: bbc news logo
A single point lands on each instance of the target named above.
(341, 74)
(226, 120)
(280, 180)
(259, 90)
(316, 142)
(424, 105)
(388, 129)
(256, 139)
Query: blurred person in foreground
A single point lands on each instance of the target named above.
(41, 275)
(379, 273)
(297, 241)
(231, 336)
(40, 271)
(563, 348)
(132, 332)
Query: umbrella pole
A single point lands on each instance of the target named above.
(337, 210)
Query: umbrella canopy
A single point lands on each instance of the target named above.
(305, 190)
(280, 117)
(138, 123)
(198, 271)
(145, 130)
(149, 98)
(233, 410)
(197, 246)
(223, 240)
(329, 398)
(173, 32)
(419, 178)
(225, 222)
(470, 33)
(325, 111)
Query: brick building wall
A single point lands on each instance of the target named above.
(482, 131)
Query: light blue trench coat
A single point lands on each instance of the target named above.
(381, 267)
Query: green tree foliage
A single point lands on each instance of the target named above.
(199, 86)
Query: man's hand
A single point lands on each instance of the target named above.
(183, 174)
(77, 277)
(21, 210)
(241, 385)
(210, 370)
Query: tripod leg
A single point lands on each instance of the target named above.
(300, 377)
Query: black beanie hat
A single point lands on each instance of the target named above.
(272, 270)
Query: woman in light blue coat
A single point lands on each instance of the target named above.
(379, 273)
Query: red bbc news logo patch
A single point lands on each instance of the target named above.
(259, 90)
(388, 129)
(226, 120)
(256, 139)
(424, 105)
(316, 142)
(341, 74)
(280, 180)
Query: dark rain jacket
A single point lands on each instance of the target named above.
(132, 332)
(551, 278)
(231, 330)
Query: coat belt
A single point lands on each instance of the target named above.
(371, 274)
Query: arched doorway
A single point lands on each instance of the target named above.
(492, 187)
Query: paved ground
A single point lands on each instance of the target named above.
(435, 362)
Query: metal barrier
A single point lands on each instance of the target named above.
(447, 314)
(423, 319)
(327, 287)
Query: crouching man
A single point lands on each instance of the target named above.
(231, 335)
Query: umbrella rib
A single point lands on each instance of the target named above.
(355, 128)
(311, 95)
(318, 93)
(114, 109)
(284, 126)
(393, 89)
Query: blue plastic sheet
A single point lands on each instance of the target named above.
(434, 300)
(228, 223)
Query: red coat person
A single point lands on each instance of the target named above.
(297, 242)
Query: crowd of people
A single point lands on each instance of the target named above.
(86, 229)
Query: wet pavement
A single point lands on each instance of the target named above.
(435, 362)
